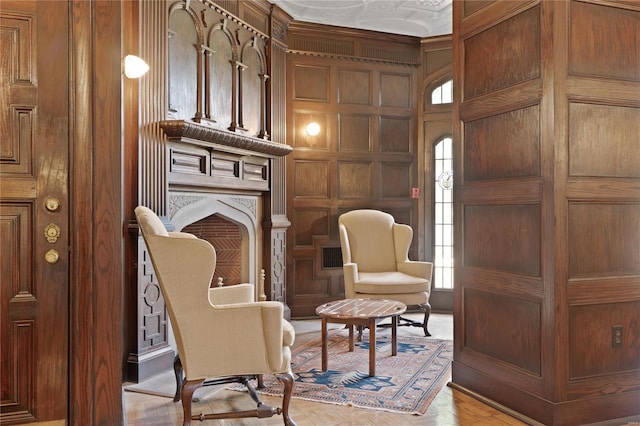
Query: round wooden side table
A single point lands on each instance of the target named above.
(360, 312)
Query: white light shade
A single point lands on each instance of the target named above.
(134, 67)
(312, 129)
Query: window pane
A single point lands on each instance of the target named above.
(446, 216)
(447, 234)
(439, 152)
(442, 94)
(447, 92)
(448, 147)
(436, 96)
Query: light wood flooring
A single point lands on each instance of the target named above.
(450, 407)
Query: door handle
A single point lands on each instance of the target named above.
(52, 232)
(51, 256)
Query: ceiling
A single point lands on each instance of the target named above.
(420, 18)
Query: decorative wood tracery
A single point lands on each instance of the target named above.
(247, 102)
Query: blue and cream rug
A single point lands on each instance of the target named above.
(406, 383)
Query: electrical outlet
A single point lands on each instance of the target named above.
(616, 336)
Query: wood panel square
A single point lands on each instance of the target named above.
(600, 36)
(311, 179)
(354, 133)
(394, 134)
(503, 237)
(603, 239)
(503, 327)
(354, 87)
(503, 55)
(395, 180)
(354, 180)
(503, 146)
(311, 83)
(310, 223)
(603, 140)
(395, 90)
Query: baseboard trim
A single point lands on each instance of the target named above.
(491, 403)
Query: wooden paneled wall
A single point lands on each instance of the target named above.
(363, 92)
(547, 124)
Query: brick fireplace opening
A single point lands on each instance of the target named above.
(231, 223)
(226, 238)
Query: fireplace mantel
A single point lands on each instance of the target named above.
(207, 159)
(224, 139)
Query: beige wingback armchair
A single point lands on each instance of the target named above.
(376, 263)
(222, 334)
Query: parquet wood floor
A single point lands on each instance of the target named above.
(450, 407)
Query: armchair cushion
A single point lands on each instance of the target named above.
(390, 283)
(240, 293)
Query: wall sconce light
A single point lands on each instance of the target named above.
(312, 129)
(134, 66)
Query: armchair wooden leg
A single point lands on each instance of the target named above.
(188, 389)
(427, 312)
(287, 380)
(178, 371)
(260, 380)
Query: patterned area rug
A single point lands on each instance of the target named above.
(406, 383)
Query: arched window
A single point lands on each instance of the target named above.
(442, 94)
(443, 214)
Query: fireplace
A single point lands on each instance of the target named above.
(231, 219)
(215, 180)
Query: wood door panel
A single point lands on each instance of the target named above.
(17, 336)
(34, 168)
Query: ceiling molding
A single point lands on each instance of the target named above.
(418, 18)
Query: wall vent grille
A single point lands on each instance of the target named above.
(331, 257)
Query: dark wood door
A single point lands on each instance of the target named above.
(34, 140)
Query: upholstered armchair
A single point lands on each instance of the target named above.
(221, 333)
(376, 263)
